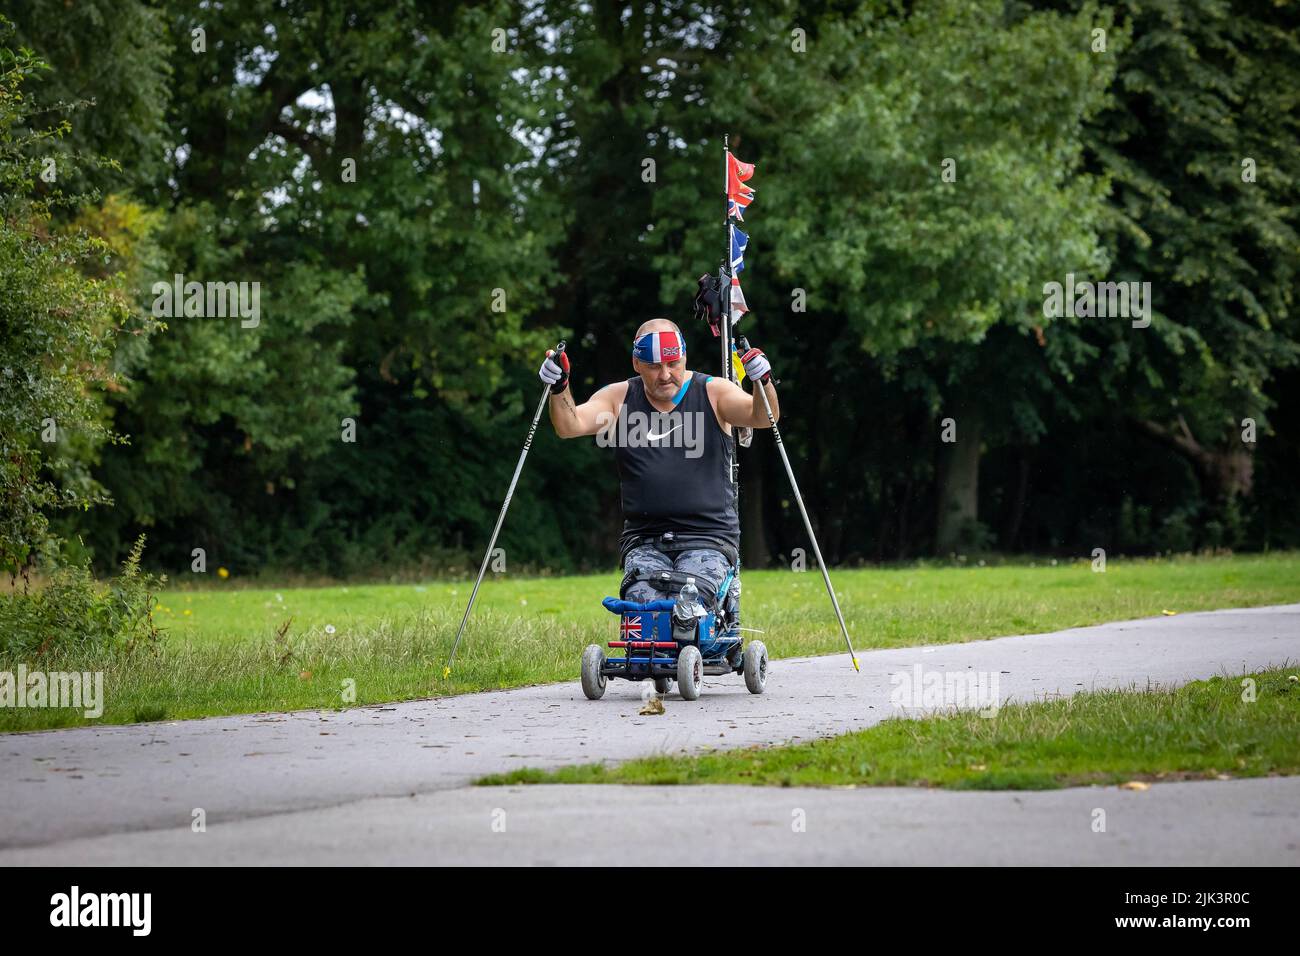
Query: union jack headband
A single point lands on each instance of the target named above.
(656, 347)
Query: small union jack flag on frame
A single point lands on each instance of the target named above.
(631, 628)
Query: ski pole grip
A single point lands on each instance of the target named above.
(742, 343)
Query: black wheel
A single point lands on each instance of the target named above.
(663, 685)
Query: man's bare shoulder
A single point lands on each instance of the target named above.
(611, 395)
(716, 388)
(717, 385)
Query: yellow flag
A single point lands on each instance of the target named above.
(738, 366)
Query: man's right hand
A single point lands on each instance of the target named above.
(553, 373)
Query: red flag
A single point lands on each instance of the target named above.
(741, 171)
(737, 173)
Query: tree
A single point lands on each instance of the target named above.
(110, 58)
(1199, 143)
(58, 329)
(352, 161)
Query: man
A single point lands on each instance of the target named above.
(671, 428)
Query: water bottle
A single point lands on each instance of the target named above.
(690, 596)
(686, 611)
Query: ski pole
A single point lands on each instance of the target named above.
(532, 430)
(743, 344)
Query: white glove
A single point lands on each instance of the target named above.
(553, 373)
(757, 367)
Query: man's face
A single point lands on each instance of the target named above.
(661, 379)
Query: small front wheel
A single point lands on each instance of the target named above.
(593, 681)
(690, 672)
(663, 685)
(755, 667)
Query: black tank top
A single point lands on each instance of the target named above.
(674, 468)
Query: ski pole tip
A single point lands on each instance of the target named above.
(855, 664)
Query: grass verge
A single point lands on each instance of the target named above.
(1209, 729)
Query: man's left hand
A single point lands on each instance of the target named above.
(757, 366)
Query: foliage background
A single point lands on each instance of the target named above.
(521, 170)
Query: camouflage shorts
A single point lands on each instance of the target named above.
(709, 565)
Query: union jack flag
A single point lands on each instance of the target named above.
(738, 243)
(631, 628)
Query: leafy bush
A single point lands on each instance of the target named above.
(74, 612)
(58, 328)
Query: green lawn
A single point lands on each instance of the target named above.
(220, 654)
(1202, 730)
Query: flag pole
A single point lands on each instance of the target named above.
(724, 296)
(741, 436)
(728, 368)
